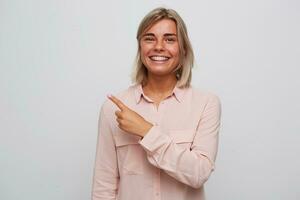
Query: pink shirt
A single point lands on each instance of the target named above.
(172, 161)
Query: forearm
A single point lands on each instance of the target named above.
(189, 167)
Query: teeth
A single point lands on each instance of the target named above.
(159, 58)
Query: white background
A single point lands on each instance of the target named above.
(59, 59)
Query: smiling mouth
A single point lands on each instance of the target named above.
(159, 58)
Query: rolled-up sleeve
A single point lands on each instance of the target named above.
(106, 176)
(194, 165)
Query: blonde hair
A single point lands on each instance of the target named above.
(186, 55)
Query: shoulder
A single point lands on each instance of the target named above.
(204, 96)
(207, 101)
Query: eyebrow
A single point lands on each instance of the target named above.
(166, 34)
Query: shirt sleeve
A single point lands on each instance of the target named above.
(106, 176)
(190, 166)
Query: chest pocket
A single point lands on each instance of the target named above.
(183, 137)
(130, 154)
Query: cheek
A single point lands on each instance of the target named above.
(143, 55)
(144, 51)
(175, 54)
(174, 51)
(144, 58)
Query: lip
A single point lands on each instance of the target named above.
(159, 58)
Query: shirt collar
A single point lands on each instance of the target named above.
(139, 93)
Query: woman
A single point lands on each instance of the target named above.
(158, 139)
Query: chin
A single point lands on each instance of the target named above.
(159, 72)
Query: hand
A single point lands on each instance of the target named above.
(129, 120)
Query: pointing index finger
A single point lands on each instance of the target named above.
(116, 101)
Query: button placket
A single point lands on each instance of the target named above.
(156, 117)
(157, 185)
(158, 113)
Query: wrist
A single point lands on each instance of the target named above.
(148, 126)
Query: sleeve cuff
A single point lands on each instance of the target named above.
(154, 139)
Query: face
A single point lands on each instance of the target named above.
(160, 49)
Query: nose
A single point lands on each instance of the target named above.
(159, 45)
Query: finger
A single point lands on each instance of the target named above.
(118, 114)
(119, 121)
(118, 102)
(120, 126)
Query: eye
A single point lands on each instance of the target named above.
(170, 39)
(149, 39)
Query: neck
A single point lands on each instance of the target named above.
(160, 85)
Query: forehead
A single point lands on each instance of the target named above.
(162, 27)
